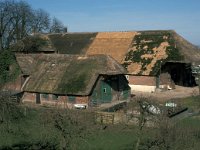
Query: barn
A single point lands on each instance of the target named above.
(160, 58)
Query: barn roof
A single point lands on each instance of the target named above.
(142, 80)
(33, 44)
(66, 74)
(140, 52)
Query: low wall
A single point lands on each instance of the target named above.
(110, 117)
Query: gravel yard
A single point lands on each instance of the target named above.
(178, 92)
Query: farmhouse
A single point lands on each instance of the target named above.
(65, 80)
(153, 59)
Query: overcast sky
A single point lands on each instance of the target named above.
(126, 15)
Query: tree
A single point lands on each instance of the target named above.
(6, 18)
(21, 23)
(9, 110)
(18, 20)
(7, 59)
(57, 26)
(15, 20)
(41, 21)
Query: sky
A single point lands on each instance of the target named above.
(183, 16)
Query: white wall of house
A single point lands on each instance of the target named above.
(142, 83)
(142, 88)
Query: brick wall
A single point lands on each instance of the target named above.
(53, 100)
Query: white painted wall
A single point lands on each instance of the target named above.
(142, 88)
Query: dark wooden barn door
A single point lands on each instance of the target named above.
(38, 98)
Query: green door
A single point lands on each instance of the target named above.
(106, 94)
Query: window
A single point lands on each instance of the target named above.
(55, 97)
(71, 98)
(104, 90)
(45, 96)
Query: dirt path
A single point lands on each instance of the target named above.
(179, 92)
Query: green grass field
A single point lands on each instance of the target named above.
(34, 129)
(43, 128)
(28, 129)
(193, 102)
(111, 139)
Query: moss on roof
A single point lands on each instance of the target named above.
(75, 43)
(84, 70)
(149, 48)
(67, 74)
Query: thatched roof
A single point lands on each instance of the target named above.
(27, 63)
(151, 49)
(72, 43)
(66, 74)
(139, 52)
(115, 44)
(34, 44)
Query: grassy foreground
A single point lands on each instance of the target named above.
(37, 130)
(45, 128)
